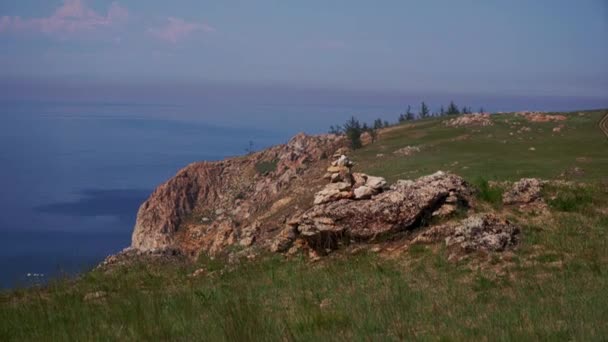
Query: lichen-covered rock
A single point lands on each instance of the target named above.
(484, 232)
(524, 191)
(400, 208)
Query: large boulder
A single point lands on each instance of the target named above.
(401, 207)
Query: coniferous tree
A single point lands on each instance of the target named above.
(373, 133)
(424, 111)
(409, 115)
(402, 117)
(386, 124)
(441, 111)
(352, 128)
(337, 129)
(378, 123)
(453, 109)
(481, 110)
(465, 110)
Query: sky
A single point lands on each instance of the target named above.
(516, 47)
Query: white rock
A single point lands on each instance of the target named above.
(364, 192)
(376, 183)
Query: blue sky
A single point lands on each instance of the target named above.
(543, 47)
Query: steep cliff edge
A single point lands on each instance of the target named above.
(286, 199)
(209, 205)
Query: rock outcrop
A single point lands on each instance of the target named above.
(482, 232)
(541, 117)
(284, 199)
(475, 119)
(207, 205)
(401, 207)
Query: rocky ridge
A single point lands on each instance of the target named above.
(209, 205)
(282, 200)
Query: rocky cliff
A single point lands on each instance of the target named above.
(208, 205)
(286, 199)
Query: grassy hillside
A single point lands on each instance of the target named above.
(501, 152)
(554, 286)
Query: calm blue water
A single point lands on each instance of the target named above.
(73, 176)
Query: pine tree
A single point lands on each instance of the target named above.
(481, 110)
(441, 111)
(409, 116)
(377, 123)
(352, 129)
(452, 109)
(424, 111)
(337, 129)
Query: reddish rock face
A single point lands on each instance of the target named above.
(159, 217)
(207, 205)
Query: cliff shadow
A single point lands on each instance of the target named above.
(120, 203)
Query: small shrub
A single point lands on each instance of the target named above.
(570, 200)
(265, 167)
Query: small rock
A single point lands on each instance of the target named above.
(445, 210)
(325, 303)
(376, 183)
(313, 255)
(247, 241)
(284, 240)
(95, 295)
(198, 273)
(359, 179)
(364, 192)
(407, 150)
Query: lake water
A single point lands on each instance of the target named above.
(72, 175)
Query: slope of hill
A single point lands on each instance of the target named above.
(552, 285)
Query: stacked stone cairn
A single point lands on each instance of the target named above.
(344, 184)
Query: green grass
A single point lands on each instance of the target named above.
(570, 199)
(418, 296)
(265, 167)
(554, 286)
(491, 152)
(485, 192)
